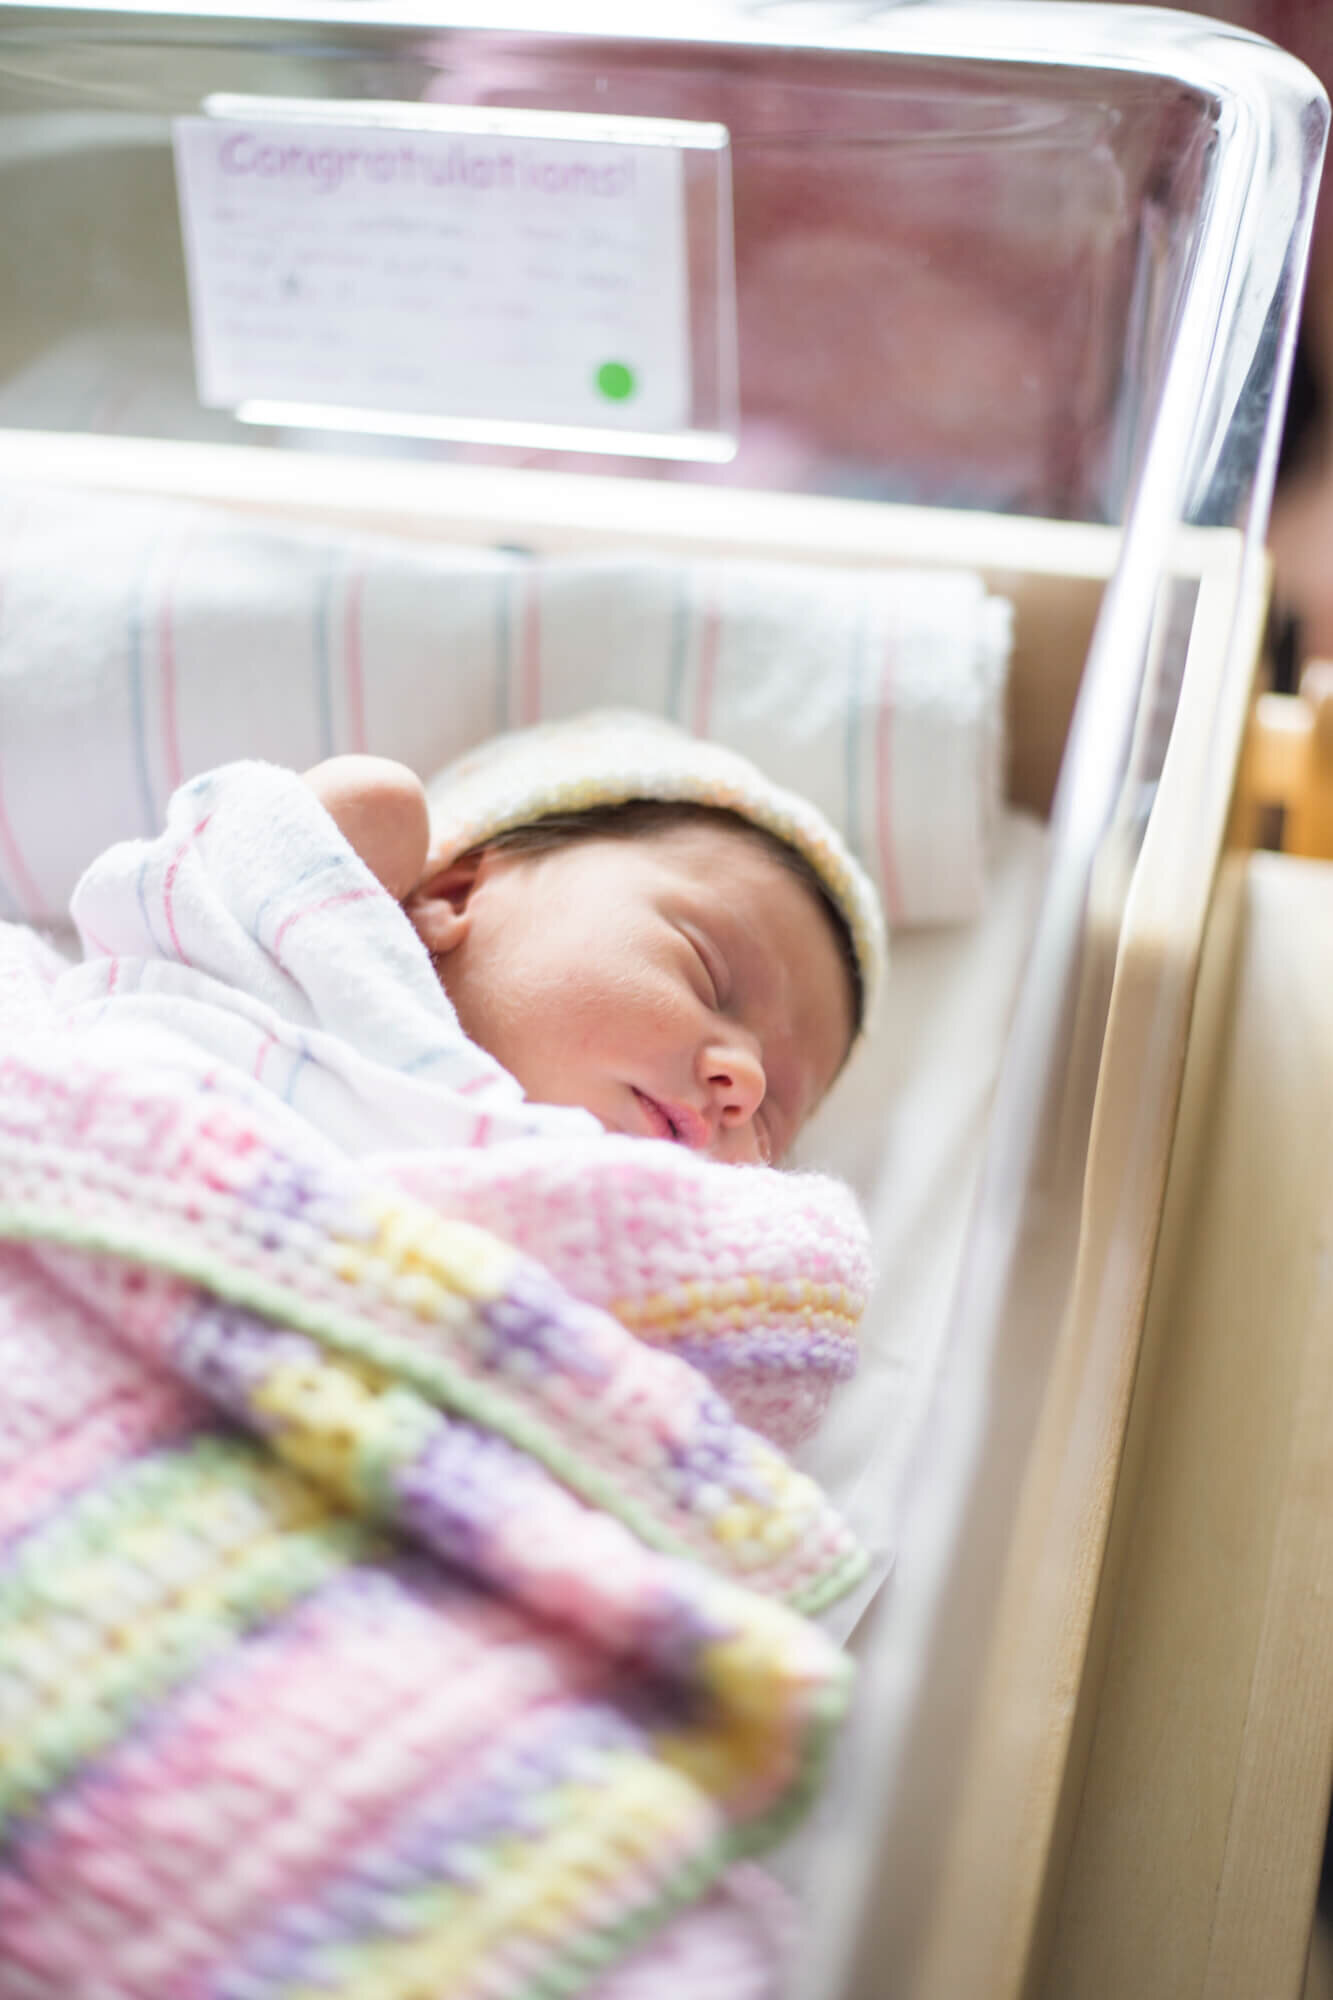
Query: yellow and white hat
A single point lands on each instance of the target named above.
(612, 756)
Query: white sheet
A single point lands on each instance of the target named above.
(906, 1127)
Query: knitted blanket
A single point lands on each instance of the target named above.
(377, 1616)
(249, 930)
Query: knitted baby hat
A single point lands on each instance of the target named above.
(611, 756)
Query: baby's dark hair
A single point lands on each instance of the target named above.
(636, 818)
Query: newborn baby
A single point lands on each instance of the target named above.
(672, 968)
(617, 920)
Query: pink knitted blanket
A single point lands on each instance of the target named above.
(378, 1615)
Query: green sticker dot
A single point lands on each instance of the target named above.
(616, 381)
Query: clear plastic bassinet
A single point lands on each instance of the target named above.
(1038, 265)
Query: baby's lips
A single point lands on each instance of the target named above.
(659, 1122)
(680, 1123)
(693, 1129)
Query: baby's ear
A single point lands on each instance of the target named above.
(438, 906)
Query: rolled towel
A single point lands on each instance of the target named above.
(142, 641)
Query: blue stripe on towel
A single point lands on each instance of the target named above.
(504, 639)
(425, 1057)
(141, 891)
(138, 720)
(302, 1058)
(286, 890)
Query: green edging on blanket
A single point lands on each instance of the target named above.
(265, 1573)
(563, 1979)
(590, 1955)
(431, 1374)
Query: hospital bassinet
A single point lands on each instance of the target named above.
(1016, 291)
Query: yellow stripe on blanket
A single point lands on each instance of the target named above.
(617, 1842)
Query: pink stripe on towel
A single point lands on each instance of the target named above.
(169, 884)
(531, 696)
(25, 889)
(328, 903)
(710, 631)
(888, 862)
(352, 661)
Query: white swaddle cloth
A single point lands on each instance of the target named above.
(193, 636)
(250, 928)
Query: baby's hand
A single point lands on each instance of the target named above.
(379, 807)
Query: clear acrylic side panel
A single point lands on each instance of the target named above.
(956, 274)
(953, 1893)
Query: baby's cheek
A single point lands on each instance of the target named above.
(639, 1009)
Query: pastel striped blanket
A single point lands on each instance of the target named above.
(201, 635)
(378, 1617)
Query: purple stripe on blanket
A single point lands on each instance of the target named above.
(795, 1354)
(446, 1841)
(452, 1493)
(535, 1318)
(230, 1354)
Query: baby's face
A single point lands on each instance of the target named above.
(679, 985)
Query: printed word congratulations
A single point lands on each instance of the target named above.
(248, 155)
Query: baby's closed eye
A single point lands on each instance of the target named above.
(715, 982)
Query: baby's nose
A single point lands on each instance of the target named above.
(734, 1074)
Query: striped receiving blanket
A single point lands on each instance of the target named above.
(196, 636)
(379, 1616)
